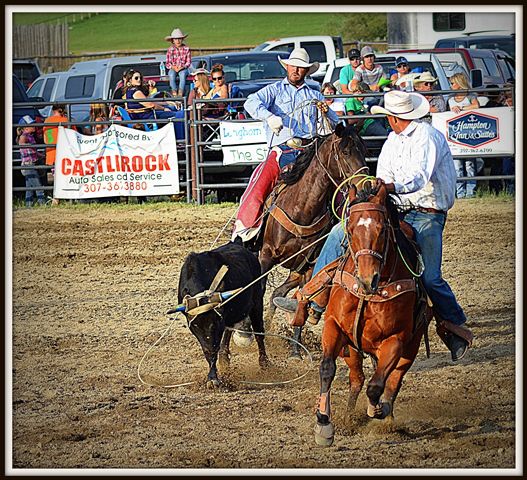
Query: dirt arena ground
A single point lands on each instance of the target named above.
(90, 288)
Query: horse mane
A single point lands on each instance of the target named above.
(364, 195)
(302, 162)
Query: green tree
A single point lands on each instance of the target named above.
(363, 27)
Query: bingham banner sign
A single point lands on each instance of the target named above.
(487, 131)
(243, 143)
(119, 162)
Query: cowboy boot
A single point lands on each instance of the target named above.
(457, 338)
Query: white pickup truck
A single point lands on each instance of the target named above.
(324, 49)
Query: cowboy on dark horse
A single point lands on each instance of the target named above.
(291, 112)
(416, 164)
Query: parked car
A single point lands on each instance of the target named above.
(321, 48)
(46, 87)
(26, 70)
(507, 43)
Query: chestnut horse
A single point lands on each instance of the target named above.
(372, 305)
(300, 213)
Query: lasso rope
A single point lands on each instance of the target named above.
(245, 382)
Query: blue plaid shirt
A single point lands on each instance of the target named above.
(294, 105)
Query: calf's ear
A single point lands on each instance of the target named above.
(339, 130)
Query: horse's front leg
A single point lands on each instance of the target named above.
(332, 342)
(388, 355)
(395, 379)
(356, 376)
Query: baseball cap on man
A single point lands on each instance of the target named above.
(26, 120)
(353, 53)
(367, 50)
(400, 61)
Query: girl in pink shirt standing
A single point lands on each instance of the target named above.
(177, 62)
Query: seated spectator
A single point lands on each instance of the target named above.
(98, 113)
(30, 157)
(141, 109)
(365, 126)
(347, 72)
(457, 103)
(220, 90)
(423, 84)
(201, 85)
(118, 91)
(402, 67)
(369, 73)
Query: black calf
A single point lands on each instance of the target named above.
(197, 274)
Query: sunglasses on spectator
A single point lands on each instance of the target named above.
(428, 84)
(136, 77)
(402, 65)
(354, 58)
(217, 78)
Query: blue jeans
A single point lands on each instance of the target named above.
(173, 76)
(33, 180)
(465, 168)
(428, 229)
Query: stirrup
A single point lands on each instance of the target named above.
(314, 316)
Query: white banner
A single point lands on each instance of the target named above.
(484, 131)
(119, 162)
(243, 142)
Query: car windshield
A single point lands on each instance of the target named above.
(251, 68)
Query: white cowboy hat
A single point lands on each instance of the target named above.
(425, 77)
(405, 105)
(200, 70)
(176, 33)
(299, 58)
(405, 78)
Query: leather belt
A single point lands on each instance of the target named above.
(428, 210)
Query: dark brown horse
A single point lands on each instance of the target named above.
(300, 213)
(370, 312)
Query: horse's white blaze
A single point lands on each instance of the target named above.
(364, 221)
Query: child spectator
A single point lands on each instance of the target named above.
(364, 126)
(30, 158)
(58, 115)
(98, 113)
(457, 103)
(178, 62)
(402, 68)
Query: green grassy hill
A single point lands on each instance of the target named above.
(138, 31)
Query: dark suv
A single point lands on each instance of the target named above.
(26, 71)
(490, 42)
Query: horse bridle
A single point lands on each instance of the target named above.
(364, 207)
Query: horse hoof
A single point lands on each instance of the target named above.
(324, 434)
(213, 384)
(295, 356)
(379, 411)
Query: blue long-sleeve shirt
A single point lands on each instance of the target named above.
(299, 115)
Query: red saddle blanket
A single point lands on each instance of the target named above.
(261, 184)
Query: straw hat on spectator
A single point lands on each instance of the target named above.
(299, 58)
(176, 33)
(200, 70)
(405, 105)
(424, 78)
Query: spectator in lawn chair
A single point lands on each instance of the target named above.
(218, 91)
(178, 62)
(201, 86)
(139, 107)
